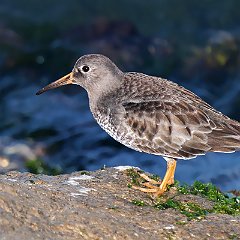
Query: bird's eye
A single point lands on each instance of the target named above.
(85, 68)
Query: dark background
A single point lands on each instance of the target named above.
(194, 43)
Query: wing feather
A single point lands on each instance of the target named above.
(170, 129)
(169, 120)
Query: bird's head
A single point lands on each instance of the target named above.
(94, 72)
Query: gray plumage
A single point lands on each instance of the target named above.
(151, 114)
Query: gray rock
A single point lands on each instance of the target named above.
(97, 205)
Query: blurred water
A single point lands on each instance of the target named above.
(196, 45)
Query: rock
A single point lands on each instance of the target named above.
(98, 205)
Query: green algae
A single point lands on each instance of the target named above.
(139, 202)
(136, 179)
(189, 209)
(222, 203)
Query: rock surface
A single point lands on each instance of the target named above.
(97, 205)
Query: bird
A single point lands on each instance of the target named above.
(151, 114)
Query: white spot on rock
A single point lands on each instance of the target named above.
(11, 180)
(170, 227)
(115, 176)
(75, 194)
(123, 168)
(72, 180)
(82, 191)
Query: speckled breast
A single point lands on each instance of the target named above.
(115, 128)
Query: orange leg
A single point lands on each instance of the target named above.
(152, 186)
(168, 178)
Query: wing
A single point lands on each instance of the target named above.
(175, 129)
(167, 119)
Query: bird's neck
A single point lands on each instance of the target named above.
(102, 89)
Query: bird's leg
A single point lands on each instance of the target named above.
(155, 187)
(168, 178)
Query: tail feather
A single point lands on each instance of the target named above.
(226, 139)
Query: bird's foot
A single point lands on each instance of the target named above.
(149, 180)
(157, 188)
(146, 190)
(150, 186)
(153, 189)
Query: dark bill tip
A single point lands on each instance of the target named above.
(40, 91)
(60, 82)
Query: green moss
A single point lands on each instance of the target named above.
(189, 209)
(234, 236)
(139, 202)
(228, 206)
(38, 166)
(136, 179)
(181, 223)
(223, 203)
(155, 177)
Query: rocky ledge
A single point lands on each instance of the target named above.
(102, 205)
